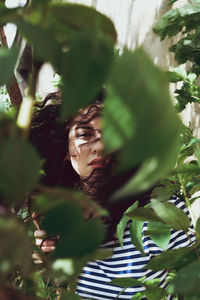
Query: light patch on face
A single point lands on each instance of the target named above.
(86, 146)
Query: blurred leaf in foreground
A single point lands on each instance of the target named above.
(75, 17)
(136, 118)
(19, 169)
(187, 280)
(76, 236)
(8, 59)
(13, 236)
(84, 69)
(45, 47)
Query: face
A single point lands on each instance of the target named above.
(86, 147)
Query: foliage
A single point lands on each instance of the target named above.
(139, 123)
(185, 177)
(129, 133)
(184, 20)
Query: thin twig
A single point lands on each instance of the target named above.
(3, 39)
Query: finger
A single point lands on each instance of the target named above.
(48, 249)
(35, 218)
(40, 233)
(48, 245)
(37, 258)
(45, 243)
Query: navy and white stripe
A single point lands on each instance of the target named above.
(126, 262)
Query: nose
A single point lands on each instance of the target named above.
(98, 145)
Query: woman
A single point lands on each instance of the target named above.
(95, 174)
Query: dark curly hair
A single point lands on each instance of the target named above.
(50, 136)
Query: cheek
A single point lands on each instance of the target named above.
(79, 160)
(74, 163)
(72, 149)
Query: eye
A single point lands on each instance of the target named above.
(84, 135)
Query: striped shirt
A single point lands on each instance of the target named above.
(126, 262)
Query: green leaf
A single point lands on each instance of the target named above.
(139, 101)
(187, 280)
(168, 259)
(197, 154)
(136, 235)
(138, 296)
(58, 196)
(149, 173)
(84, 70)
(174, 20)
(62, 21)
(7, 14)
(155, 293)
(39, 279)
(45, 46)
(15, 247)
(76, 236)
(165, 191)
(159, 233)
(125, 282)
(171, 215)
(116, 134)
(186, 169)
(123, 223)
(8, 59)
(174, 77)
(79, 242)
(61, 218)
(141, 93)
(143, 214)
(70, 18)
(65, 264)
(193, 141)
(36, 3)
(152, 282)
(187, 48)
(46, 201)
(19, 169)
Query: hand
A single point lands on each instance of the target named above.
(46, 244)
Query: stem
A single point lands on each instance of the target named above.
(120, 293)
(193, 219)
(187, 201)
(25, 115)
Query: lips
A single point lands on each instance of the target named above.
(97, 163)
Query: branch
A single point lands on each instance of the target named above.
(13, 88)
